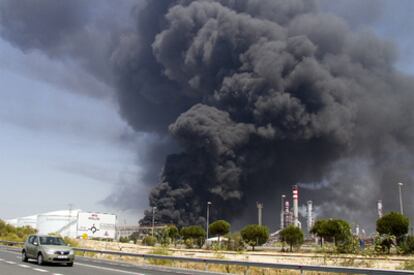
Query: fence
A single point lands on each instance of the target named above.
(246, 264)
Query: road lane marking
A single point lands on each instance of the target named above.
(110, 269)
(24, 266)
(40, 270)
(10, 262)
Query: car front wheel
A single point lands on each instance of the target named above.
(39, 259)
(70, 264)
(24, 256)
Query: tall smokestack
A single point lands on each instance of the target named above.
(379, 208)
(282, 214)
(295, 205)
(287, 218)
(259, 210)
(309, 216)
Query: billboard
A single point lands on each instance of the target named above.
(96, 225)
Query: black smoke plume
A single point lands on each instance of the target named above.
(259, 95)
(280, 93)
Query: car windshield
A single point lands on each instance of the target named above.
(51, 241)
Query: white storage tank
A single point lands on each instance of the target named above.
(27, 221)
(60, 222)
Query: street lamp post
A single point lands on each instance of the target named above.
(153, 219)
(400, 185)
(282, 218)
(207, 221)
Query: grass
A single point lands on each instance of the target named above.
(160, 251)
(408, 265)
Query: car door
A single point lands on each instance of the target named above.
(31, 247)
(28, 246)
(35, 245)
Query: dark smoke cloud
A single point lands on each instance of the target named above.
(282, 98)
(259, 95)
(74, 32)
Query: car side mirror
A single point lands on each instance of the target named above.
(35, 243)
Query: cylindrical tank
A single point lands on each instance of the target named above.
(61, 222)
(27, 221)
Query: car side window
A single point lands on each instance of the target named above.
(30, 239)
(34, 240)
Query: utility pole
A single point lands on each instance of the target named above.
(259, 210)
(207, 220)
(153, 219)
(282, 213)
(69, 220)
(400, 185)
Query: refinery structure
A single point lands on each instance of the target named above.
(290, 216)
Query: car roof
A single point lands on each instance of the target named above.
(46, 236)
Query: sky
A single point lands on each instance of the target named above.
(61, 146)
(58, 147)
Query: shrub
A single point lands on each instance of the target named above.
(12, 233)
(384, 242)
(407, 246)
(71, 242)
(235, 242)
(149, 241)
(349, 245)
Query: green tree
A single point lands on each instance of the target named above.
(335, 230)
(169, 234)
(194, 233)
(393, 223)
(219, 228)
(255, 235)
(292, 235)
(319, 229)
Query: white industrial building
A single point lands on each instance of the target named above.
(72, 223)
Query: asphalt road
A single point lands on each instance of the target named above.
(11, 264)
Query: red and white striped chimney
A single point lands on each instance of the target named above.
(295, 192)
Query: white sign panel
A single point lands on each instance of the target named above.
(96, 225)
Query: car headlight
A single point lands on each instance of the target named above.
(50, 251)
(71, 252)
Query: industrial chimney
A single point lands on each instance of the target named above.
(259, 212)
(282, 213)
(288, 216)
(379, 208)
(295, 205)
(309, 216)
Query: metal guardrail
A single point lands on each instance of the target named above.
(246, 264)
